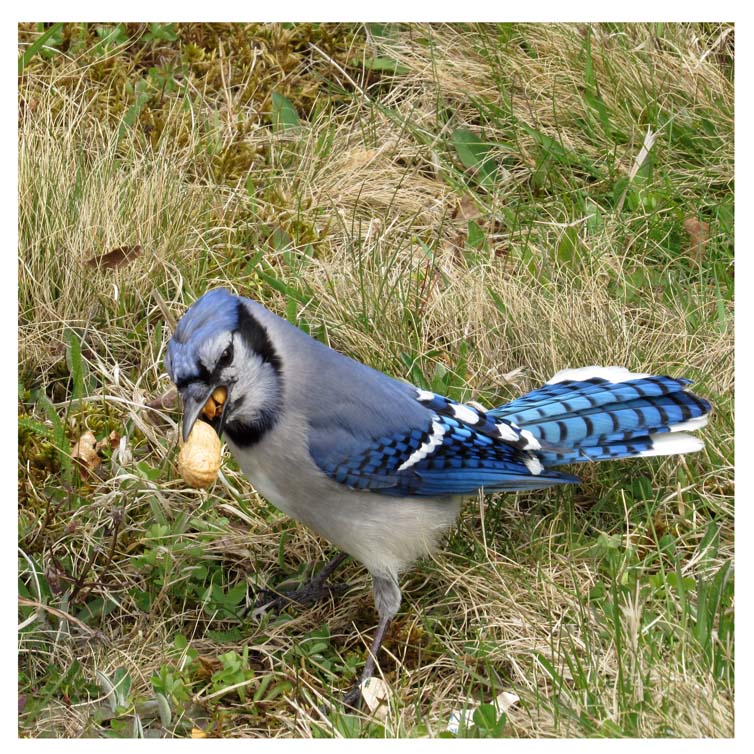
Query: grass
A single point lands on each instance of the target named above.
(466, 207)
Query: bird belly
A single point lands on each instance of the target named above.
(387, 534)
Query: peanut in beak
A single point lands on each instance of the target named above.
(200, 457)
(214, 404)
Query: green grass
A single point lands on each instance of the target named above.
(465, 207)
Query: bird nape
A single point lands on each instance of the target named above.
(379, 467)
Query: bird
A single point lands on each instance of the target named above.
(379, 467)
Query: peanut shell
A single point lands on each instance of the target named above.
(199, 459)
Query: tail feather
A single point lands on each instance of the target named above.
(568, 397)
(658, 444)
(619, 420)
(599, 413)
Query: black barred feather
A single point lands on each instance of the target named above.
(611, 414)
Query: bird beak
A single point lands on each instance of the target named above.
(193, 404)
(192, 408)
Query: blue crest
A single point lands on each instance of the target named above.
(214, 313)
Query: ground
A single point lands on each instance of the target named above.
(470, 208)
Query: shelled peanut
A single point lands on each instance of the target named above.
(214, 404)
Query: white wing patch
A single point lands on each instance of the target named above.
(507, 432)
(533, 464)
(691, 425)
(435, 439)
(531, 442)
(464, 413)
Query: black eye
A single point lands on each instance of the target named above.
(226, 358)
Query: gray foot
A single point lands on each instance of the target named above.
(353, 698)
(316, 590)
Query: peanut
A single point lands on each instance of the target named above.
(210, 409)
(199, 459)
(214, 403)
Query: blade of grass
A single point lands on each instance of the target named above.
(36, 46)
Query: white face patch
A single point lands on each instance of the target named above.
(428, 447)
(465, 414)
(257, 383)
(534, 465)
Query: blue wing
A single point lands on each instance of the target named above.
(443, 455)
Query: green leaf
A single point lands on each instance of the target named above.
(284, 288)
(384, 64)
(488, 720)
(597, 104)
(31, 425)
(473, 153)
(500, 305)
(475, 236)
(284, 115)
(110, 35)
(161, 33)
(74, 363)
(281, 240)
(36, 46)
(164, 708)
(108, 689)
(122, 683)
(567, 245)
(131, 116)
(558, 152)
(709, 544)
(60, 439)
(381, 30)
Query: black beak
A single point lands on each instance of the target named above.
(194, 401)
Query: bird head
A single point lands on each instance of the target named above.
(219, 343)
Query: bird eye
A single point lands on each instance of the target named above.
(226, 358)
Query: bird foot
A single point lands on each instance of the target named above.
(315, 591)
(354, 697)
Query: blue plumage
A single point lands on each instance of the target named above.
(462, 461)
(597, 419)
(212, 316)
(461, 448)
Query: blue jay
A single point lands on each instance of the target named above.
(379, 467)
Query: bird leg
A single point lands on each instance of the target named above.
(353, 697)
(315, 590)
(387, 600)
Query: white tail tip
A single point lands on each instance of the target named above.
(611, 374)
(672, 444)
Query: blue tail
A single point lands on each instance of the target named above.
(596, 413)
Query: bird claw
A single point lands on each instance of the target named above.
(354, 697)
(275, 602)
(257, 613)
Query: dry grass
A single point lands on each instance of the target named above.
(363, 224)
